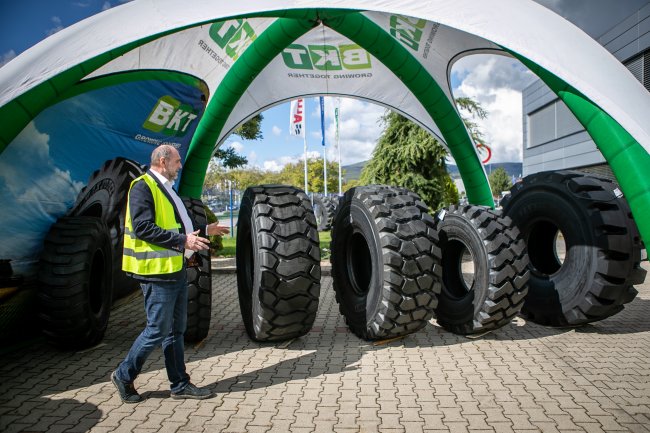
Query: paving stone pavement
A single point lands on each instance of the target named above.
(523, 378)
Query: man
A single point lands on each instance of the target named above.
(159, 238)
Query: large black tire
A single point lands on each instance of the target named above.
(199, 282)
(603, 247)
(278, 262)
(385, 261)
(105, 197)
(492, 295)
(325, 210)
(75, 280)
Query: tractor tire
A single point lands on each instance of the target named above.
(603, 247)
(75, 281)
(331, 204)
(199, 281)
(385, 262)
(278, 262)
(105, 197)
(491, 296)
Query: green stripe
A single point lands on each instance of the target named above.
(417, 79)
(627, 158)
(242, 73)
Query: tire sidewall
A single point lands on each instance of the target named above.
(354, 223)
(460, 308)
(549, 291)
(247, 260)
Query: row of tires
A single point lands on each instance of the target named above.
(394, 265)
(473, 269)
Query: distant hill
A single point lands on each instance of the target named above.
(353, 171)
(512, 168)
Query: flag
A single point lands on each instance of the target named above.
(322, 118)
(336, 118)
(297, 118)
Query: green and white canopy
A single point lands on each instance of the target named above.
(189, 72)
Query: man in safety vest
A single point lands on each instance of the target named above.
(159, 238)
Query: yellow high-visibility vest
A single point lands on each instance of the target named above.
(142, 258)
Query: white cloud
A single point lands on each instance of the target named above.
(278, 164)
(496, 83)
(35, 193)
(252, 158)
(58, 26)
(237, 146)
(359, 130)
(276, 130)
(6, 57)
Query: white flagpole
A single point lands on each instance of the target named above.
(305, 155)
(337, 114)
(325, 168)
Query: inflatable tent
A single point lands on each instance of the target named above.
(81, 111)
(188, 73)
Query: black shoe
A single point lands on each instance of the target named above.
(127, 391)
(191, 391)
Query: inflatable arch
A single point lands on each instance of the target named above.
(188, 73)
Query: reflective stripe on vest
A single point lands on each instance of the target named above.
(140, 257)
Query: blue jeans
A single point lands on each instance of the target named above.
(166, 306)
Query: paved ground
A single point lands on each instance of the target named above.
(521, 378)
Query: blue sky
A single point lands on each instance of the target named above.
(495, 82)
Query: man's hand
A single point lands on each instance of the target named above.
(216, 229)
(196, 243)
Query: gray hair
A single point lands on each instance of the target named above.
(162, 151)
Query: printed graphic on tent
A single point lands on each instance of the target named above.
(45, 167)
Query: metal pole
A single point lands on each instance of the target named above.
(337, 113)
(325, 168)
(232, 228)
(305, 155)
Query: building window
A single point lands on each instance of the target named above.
(639, 66)
(551, 122)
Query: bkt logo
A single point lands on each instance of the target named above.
(233, 36)
(170, 117)
(326, 57)
(407, 30)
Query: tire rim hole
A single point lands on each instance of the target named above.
(359, 263)
(97, 282)
(547, 247)
(458, 263)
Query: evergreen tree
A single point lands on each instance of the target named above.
(499, 181)
(406, 155)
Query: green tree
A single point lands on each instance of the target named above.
(499, 181)
(294, 174)
(407, 155)
(250, 130)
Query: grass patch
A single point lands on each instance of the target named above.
(229, 246)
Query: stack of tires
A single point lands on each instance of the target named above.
(81, 264)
